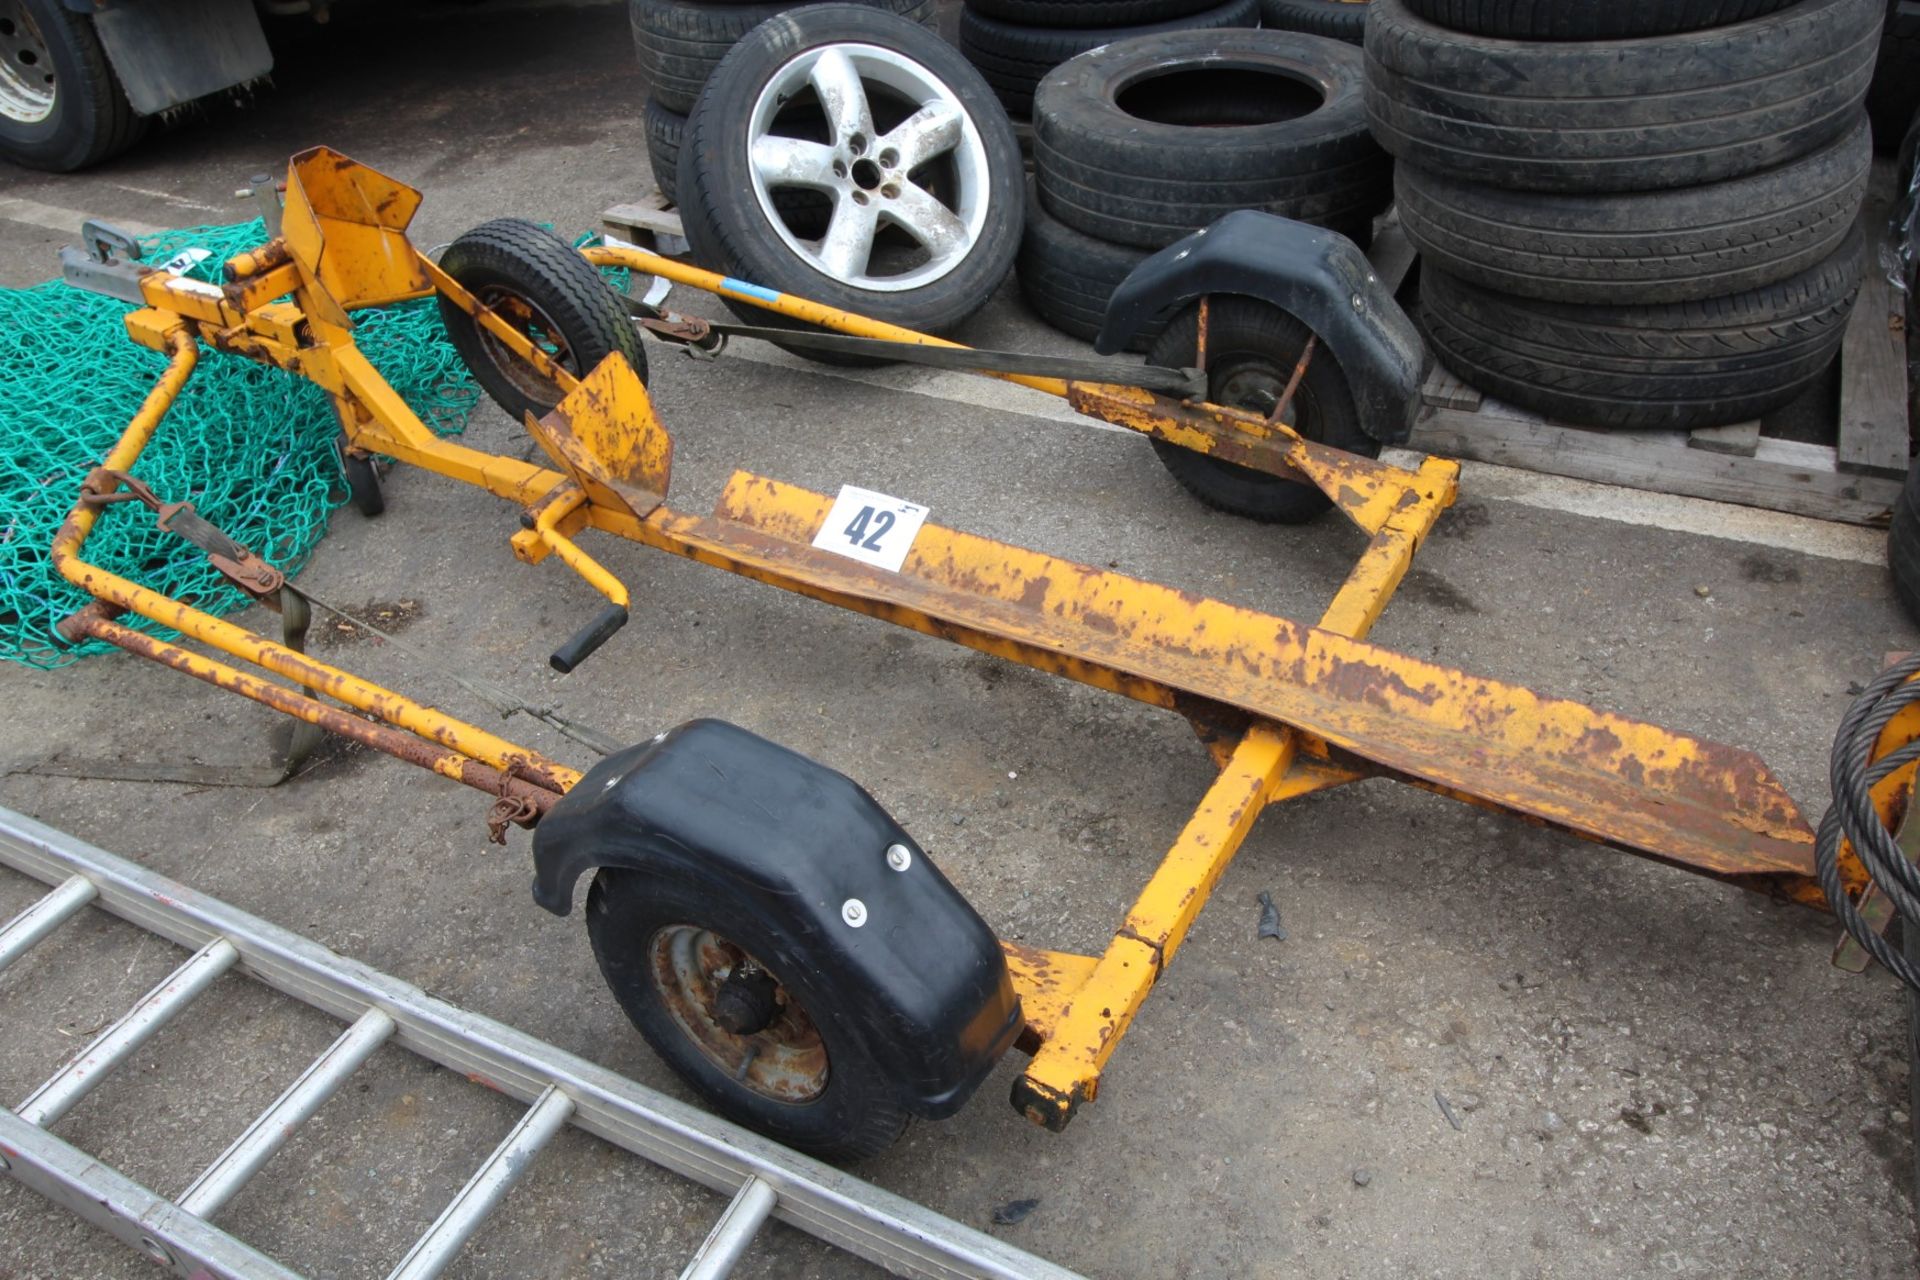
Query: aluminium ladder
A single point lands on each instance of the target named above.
(765, 1179)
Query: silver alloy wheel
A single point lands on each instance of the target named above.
(869, 175)
(26, 66)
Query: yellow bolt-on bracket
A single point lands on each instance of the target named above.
(1286, 709)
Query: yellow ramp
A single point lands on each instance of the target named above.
(1628, 783)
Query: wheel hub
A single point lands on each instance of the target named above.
(1253, 383)
(747, 1001)
(539, 330)
(738, 1014)
(26, 66)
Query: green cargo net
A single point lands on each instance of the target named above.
(248, 445)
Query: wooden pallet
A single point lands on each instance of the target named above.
(650, 222)
(1854, 480)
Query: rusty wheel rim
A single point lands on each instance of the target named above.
(539, 329)
(786, 1061)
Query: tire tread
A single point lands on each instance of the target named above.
(1619, 115)
(1589, 19)
(1015, 59)
(1667, 246)
(1678, 365)
(1127, 181)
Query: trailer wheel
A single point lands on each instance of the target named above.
(1252, 348)
(364, 490)
(712, 984)
(536, 282)
(61, 106)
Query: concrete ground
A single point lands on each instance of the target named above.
(1652, 1074)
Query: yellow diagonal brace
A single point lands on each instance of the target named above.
(1066, 1072)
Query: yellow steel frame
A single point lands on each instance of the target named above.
(1286, 709)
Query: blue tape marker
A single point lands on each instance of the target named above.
(750, 290)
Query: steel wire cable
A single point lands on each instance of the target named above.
(1853, 773)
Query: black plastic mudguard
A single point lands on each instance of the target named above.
(1318, 276)
(937, 1008)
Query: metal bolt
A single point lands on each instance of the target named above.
(899, 857)
(1359, 303)
(155, 1250)
(854, 912)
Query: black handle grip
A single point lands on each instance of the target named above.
(588, 638)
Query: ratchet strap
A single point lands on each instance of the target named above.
(289, 747)
(268, 585)
(709, 337)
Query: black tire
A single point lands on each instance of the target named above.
(1252, 348)
(736, 235)
(1903, 552)
(1673, 365)
(855, 1113)
(1087, 13)
(534, 277)
(1336, 19)
(88, 118)
(1068, 278)
(362, 478)
(1894, 96)
(1619, 115)
(1650, 246)
(665, 129)
(680, 42)
(1014, 59)
(1128, 146)
(1589, 19)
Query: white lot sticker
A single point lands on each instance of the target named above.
(185, 260)
(871, 527)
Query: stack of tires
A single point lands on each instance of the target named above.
(680, 42)
(1636, 216)
(1015, 43)
(1142, 142)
